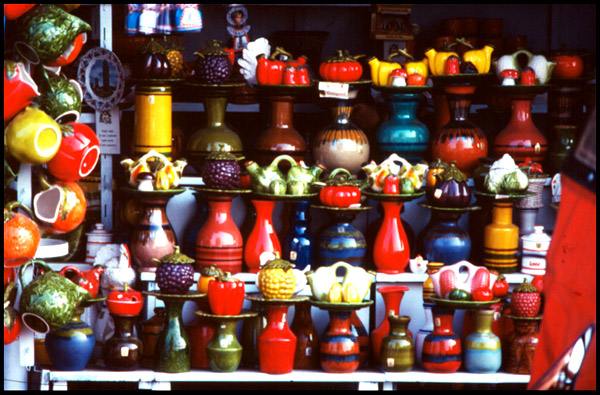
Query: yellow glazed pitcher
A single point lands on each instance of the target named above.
(152, 127)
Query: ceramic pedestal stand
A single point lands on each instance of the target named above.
(460, 140)
(153, 116)
(340, 350)
(172, 354)
(521, 138)
(402, 133)
(277, 342)
(280, 137)
(342, 144)
(153, 236)
(446, 241)
(521, 344)
(124, 350)
(70, 347)
(342, 241)
(391, 251)
(501, 237)
(219, 241)
(216, 135)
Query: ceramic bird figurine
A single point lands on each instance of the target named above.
(116, 261)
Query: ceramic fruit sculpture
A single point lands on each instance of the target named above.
(435, 167)
(450, 189)
(397, 166)
(167, 174)
(505, 176)
(324, 278)
(226, 295)
(276, 279)
(221, 171)
(207, 274)
(449, 279)
(341, 67)
(61, 206)
(569, 65)
(21, 235)
(214, 66)
(60, 97)
(340, 192)
(152, 61)
(272, 70)
(127, 302)
(175, 273)
(525, 300)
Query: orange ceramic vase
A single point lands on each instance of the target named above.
(501, 240)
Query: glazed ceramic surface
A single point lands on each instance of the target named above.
(153, 123)
(446, 241)
(306, 355)
(501, 240)
(442, 352)
(78, 153)
(397, 348)
(124, 350)
(262, 238)
(19, 89)
(482, 348)
(70, 347)
(299, 243)
(520, 346)
(392, 297)
(277, 342)
(342, 241)
(423, 332)
(61, 98)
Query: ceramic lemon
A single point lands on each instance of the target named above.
(33, 137)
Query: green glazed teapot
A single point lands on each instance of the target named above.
(48, 301)
(60, 97)
(270, 179)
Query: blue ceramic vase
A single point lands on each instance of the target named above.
(403, 133)
(446, 241)
(298, 244)
(342, 241)
(482, 349)
(70, 347)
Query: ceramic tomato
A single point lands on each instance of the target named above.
(482, 294)
(226, 295)
(500, 286)
(568, 66)
(208, 274)
(415, 80)
(21, 235)
(126, 302)
(339, 195)
(341, 68)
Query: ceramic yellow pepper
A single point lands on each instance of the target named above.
(481, 58)
(437, 60)
(417, 67)
(380, 71)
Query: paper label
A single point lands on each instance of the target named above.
(336, 90)
(108, 132)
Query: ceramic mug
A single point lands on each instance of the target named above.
(60, 98)
(33, 137)
(78, 153)
(60, 207)
(19, 88)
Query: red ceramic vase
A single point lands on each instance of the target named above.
(340, 350)
(392, 297)
(307, 344)
(277, 342)
(441, 348)
(460, 140)
(219, 241)
(521, 138)
(391, 250)
(262, 238)
(200, 333)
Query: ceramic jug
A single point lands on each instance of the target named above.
(262, 177)
(49, 300)
(47, 33)
(88, 280)
(60, 97)
(19, 89)
(324, 277)
(540, 65)
(302, 173)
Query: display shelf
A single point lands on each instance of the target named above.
(364, 379)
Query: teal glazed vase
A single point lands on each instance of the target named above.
(70, 347)
(397, 347)
(403, 133)
(482, 349)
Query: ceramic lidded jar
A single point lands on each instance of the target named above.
(535, 248)
(175, 273)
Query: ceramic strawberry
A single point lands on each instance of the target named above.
(526, 300)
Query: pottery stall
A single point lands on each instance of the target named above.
(190, 205)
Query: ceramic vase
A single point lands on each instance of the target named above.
(520, 346)
(446, 241)
(299, 243)
(153, 120)
(428, 288)
(364, 340)
(263, 237)
(306, 355)
(391, 250)
(423, 332)
(403, 133)
(392, 298)
(224, 352)
(460, 140)
(124, 350)
(442, 352)
(501, 240)
(154, 236)
(482, 348)
(219, 241)
(251, 329)
(173, 349)
(521, 138)
(342, 241)
(339, 351)
(341, 144)
(277, 342)
(200, 332)
(397, 347)
(70, 347)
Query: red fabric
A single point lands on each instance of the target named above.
(570, 284)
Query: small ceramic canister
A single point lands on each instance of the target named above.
(96, 239)
(535, 248)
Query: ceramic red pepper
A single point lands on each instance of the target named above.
(527, 76)
(452, 65)
(226, 295)
(302, 76)
(269, 72)
(391, 185)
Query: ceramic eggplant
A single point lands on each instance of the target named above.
(152, 61)
(450, 189)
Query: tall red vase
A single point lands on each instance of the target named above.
(340, 349)
(442, 352)
(391, 250)
(277, 342)
(521, 138)
(219, 241)
(262, 238)
(392, 297)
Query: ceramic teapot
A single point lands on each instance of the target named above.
(323, 278)
(50, 35)
(395, 165)
(453, 276)
(88, 280)
(437, 60)
(48, 301)
(481, 58)
(19, 89)
(60, 98)
(167, 174)
(380, 71)
(540, 65)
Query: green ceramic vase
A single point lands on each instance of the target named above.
(397, 348)
(224, 352)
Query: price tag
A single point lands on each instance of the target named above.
(107, 130)
(335, 90)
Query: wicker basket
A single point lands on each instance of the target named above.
(536, 185)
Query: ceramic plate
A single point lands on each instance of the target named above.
(286, 198)
(455, 209)
(243, 314)
(463, 304)
(258, 297)
(514, 317)
(504, 196)
(225, 192)
(471, 79)
(187, 296)
(404, 197)
(388, 90)
(347, 209)
(90, 71)
(156, 193)
(340, 306)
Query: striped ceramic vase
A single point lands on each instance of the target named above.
(441, 348)
(482, 350)
(340, 350)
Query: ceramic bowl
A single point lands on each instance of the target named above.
(120, 306)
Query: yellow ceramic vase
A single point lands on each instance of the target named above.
(152, 127)
(501, 240)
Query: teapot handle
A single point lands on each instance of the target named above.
(523, 51)
(344, 174)
(32, 262)
(288, 158)
(63, 272)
